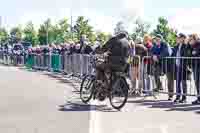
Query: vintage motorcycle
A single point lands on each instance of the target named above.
(114, 86)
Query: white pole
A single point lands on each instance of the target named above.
(47, 39)
(0, 21)
(71, 24)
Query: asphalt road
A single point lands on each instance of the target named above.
(31, 103)
(38, 102)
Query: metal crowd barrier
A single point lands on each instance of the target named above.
(146, 75)
(76, 65)
(7, 59)
(1, 56)
(18, 60)
(171, 75)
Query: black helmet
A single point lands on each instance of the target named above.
(123, 34)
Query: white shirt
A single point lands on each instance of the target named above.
(178, 54)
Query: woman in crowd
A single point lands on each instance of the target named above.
(147, 62)
(137, 49)
(133, 72)
(195, 52)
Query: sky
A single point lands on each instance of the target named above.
(103, 14)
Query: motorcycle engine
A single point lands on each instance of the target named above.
(101, 91)
(101, 96)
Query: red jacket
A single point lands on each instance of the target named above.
(149, 46)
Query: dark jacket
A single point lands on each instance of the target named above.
(184, 63)
(76, 51)
(86, 50)
(194, 51)
(56, 51)
(63, 51)
(118, 47)
(161, 51)
(45, 50)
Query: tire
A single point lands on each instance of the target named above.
(123, 86)
(89, 85)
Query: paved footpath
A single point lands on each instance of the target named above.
(38, 102)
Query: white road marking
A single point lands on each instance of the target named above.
(164, 128)
(95, 120)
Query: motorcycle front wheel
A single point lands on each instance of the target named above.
(119, 94)
(87, 88)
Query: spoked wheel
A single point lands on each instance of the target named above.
(119, 94)
(87, 88)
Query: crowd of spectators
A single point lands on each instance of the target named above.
(176, 69)
(170, 61)
(64, 48)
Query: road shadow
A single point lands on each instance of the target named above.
(64, 80)
(74, 84)
(197, 112)
(166, 105)
(61, 77)
(77, 107)
(54, 75)
(6, 65)
(27, 69)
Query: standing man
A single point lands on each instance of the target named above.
(170, 73)
(180, 50)
(159, 51)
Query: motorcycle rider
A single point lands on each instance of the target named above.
(117, 51)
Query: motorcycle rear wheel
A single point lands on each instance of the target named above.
(120, 92)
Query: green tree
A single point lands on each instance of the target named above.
(16, 34)
(64, 27)
(171, 38)
(30, 34)
(46, 33)
(3, 35)
(169, 35)
(141, 28)
(82, 27)
(61, 31)
(92, 37)
(102, 36)
(42, 35)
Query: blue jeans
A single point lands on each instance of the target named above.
(180, 80)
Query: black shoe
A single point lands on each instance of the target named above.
(156, 90)
(170, 98)
(161, 89)
(196, 102)
(177, 100)
(183, 100)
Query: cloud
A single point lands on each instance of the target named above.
(103, 14)
(186, 20)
